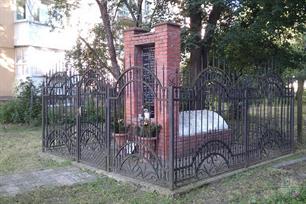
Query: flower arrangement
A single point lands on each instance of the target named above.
(148, 129)
(120, 127)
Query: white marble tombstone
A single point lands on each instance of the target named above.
(200, 121)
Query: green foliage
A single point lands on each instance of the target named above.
(66, 114)
(189, 40)
(264, 31)
(93, 113)
(82, 56)
(119, 126)
(58, 116)
(148, 129)
(25, 108)
(95, 53)
(248, 33)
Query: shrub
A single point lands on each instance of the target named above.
(92, 113)
(60, 113)
(25, 108)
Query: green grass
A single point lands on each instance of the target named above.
(20, 146)
(104, 190)
(19, 150)
(294, 195)
(259, 185)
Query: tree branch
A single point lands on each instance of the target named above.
(130, 10)
(139, 13)
(109, 36)
(117, 8)
(97, 56)
(154, 11)
(213, 18)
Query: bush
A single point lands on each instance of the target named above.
(92, 113)
(25, 108)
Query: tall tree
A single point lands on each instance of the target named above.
(272, 23)
(205, 17)
(108, 11)
(236, 27)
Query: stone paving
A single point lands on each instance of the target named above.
(290, 162)
(11, 185)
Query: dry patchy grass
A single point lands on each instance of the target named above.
(19, 150)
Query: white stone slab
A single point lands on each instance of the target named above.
(200, 121)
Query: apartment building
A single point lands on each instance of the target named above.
(29, 47)
(7, 52)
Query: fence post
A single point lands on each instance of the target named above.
(78, 122)
(43, 121)
(171, 135)
(246, 126)
(292, 120)
(107, 123)
(31, 99)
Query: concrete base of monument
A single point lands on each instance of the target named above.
(148, 187)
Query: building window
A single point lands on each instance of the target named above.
(21, 9)
(44, 13)
(21, 65)
(40, 12)
(35, 13)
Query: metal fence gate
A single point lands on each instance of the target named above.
(171, 135)
(91, 128)
(74, 116)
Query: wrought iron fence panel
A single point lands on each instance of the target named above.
(138, 126)
(91, 131)
(221, 125)
(59, 110)
(170, 134)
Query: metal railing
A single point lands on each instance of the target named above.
(215, 125)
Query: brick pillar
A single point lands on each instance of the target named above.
(166, 40)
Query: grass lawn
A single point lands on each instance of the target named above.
(19, 148)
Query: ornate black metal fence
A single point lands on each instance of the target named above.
(224, 125)
(171, 135)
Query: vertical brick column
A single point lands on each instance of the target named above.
(167, 55)
(132, 57)
(166, 40)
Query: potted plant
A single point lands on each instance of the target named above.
(120, 133)
(147, 134)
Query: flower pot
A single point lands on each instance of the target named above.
(147, 146)
(120, 139)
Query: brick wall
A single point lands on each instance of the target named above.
(166, 39)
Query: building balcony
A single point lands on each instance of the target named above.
(35, 34)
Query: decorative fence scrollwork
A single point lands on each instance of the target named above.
(167, 134)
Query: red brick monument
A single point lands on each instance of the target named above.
(162, 46)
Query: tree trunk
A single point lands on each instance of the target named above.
(299, 98)
(199, 54)
(210, 30)
(139, 13)
(109, 35)
(195, 53)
